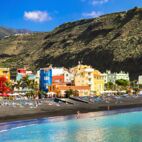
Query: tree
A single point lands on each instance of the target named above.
(18, 84)
(68, 93)
(10, 85)
(122, 82)
(109, 86)
(75, 93)
(31, 85)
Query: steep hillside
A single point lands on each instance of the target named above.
(112, 41)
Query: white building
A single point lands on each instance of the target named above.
(112, 77)
(68, 76)
(57, 71)
(140, 79)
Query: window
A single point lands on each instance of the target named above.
(5, 72)
(46, 78)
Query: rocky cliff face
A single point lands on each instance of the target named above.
(111, 41)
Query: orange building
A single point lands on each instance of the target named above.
(60, 90)
(58, 79)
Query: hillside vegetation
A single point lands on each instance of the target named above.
(112, 41)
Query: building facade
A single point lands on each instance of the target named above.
(5, 72)
(83, 76)
(86, 76)
(23, 73)
(45, 78)
(112, 77)
(60, 90)
(99, 82)
(140, 79)
(58, 79)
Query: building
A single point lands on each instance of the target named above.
(22, 72)
(99, 82)
(112, 77)
(57, 71)
(45, 78)
(68, 76)
(37, 77)
(140, 79)
(87, 76)
(5, 72)
(60, 79)
(83, 76)
(60, 90)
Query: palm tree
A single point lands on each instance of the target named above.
(18, 84)
(35, 88)
(26, 82)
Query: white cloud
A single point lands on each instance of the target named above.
(92, 14)
(95, 2)
(37, 16)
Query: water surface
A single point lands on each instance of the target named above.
(125, 127)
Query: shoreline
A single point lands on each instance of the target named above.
(21, 114)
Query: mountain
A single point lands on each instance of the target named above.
(112, 41)
(5, 32)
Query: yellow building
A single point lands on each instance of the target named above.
(98, 82)
(5, 72)
(86, 76)
(83, 76)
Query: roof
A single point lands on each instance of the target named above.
(58, 77)
(74, 87)
(97, 73)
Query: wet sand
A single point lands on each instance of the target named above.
(8, 113)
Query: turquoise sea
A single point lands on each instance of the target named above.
(124, 127)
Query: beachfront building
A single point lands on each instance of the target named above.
(83, 76)
(60, 90)
(98, 82)
(68, 76)
(112, 77)
(58, 79)
(45, 78)
(140, 79)
(37, 77)
(86, 76)
(5, 72)
(63, 73)
(22, 72)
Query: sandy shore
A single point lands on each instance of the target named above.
(8, 113)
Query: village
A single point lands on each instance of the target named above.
(81, 80)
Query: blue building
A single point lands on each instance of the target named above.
(45, 79)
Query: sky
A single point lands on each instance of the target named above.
(45, 15)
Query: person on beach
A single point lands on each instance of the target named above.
(78, 113)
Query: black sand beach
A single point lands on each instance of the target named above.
(8, 113)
